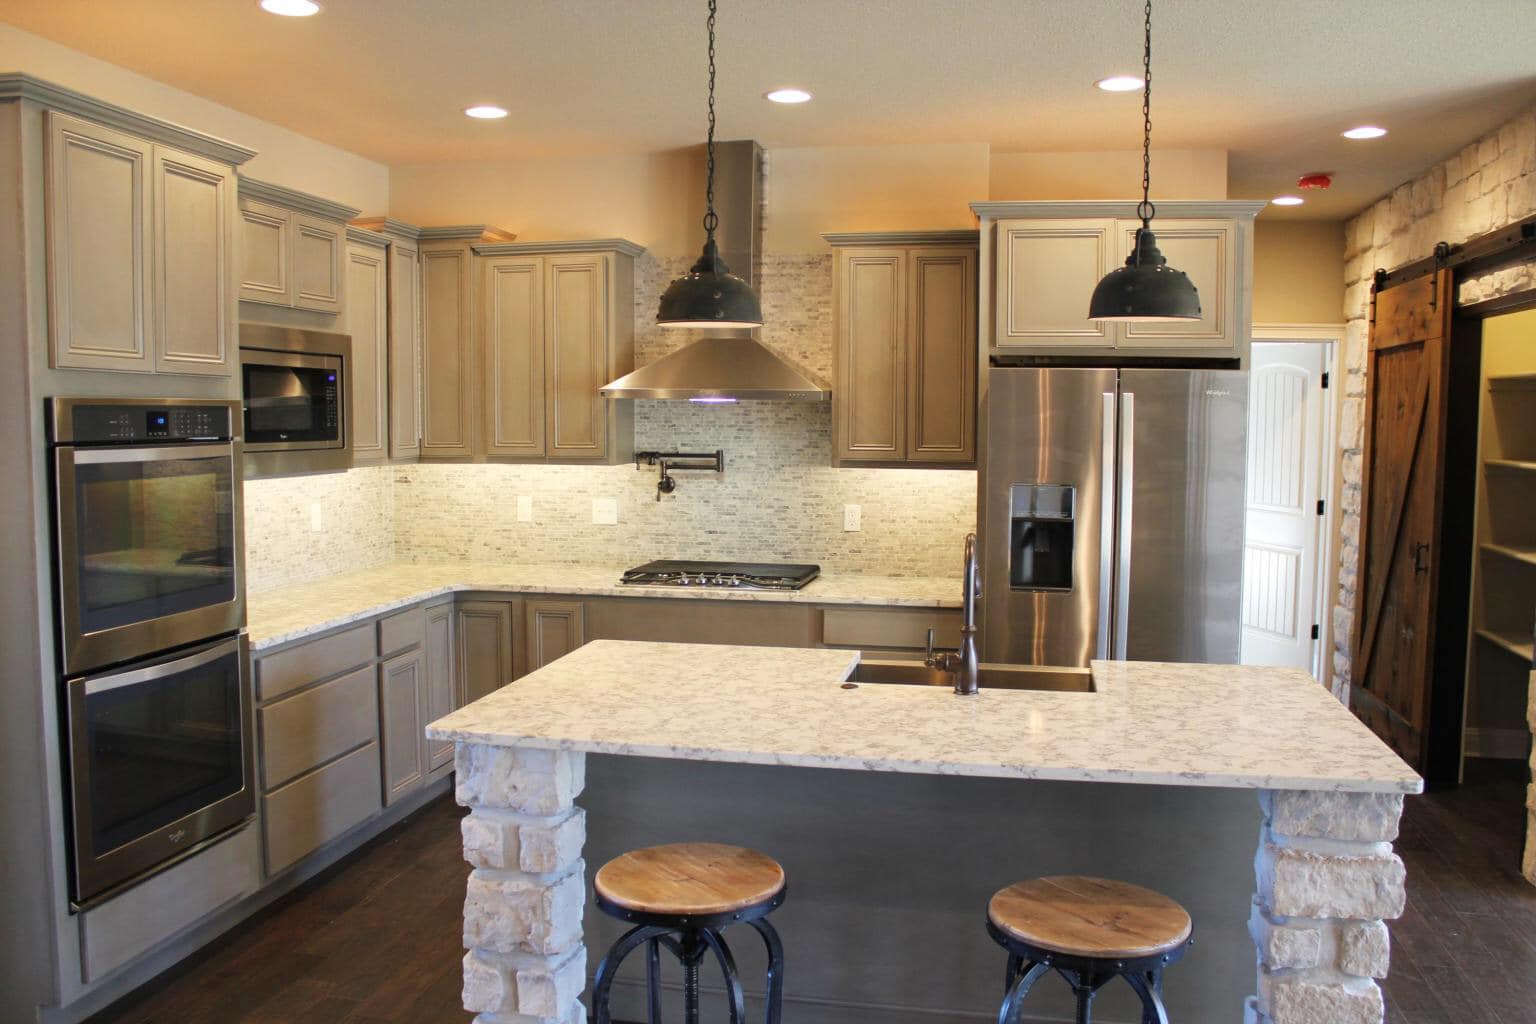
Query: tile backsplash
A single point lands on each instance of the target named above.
(778, 499)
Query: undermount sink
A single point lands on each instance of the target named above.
(989, 677)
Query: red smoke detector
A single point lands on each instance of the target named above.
(1318, 180)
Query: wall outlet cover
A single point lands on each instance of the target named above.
(316, 517)
(525, 508)
(853, 518)
(605, 511)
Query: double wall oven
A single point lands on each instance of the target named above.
(150, 612)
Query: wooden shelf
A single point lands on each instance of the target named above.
(1518, 644)
(1511, 465)
(1519, 554)
(1512, 382)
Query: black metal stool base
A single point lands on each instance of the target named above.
(1027, 964)
(691, 940)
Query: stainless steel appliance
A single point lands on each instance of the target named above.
(1111, 515)
(159, 762)
(743, 575)
(296, 399)
(147, 525)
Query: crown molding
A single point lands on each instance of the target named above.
(293, 199)
(622, 246)
(465, 232)
(389, 226)
(15, 85)
(367, 236)
(963, 236)
(1238, 209)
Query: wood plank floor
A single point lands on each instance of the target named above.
(376, 939)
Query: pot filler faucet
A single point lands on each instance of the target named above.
(963, 663)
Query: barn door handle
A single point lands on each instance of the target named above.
(1420, 563)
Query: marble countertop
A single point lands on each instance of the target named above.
(291, 613)
(1184, 725)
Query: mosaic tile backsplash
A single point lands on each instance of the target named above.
(778, 500)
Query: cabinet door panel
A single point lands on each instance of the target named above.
(98, 210)
(555, 629)
(483, 631)
(1203, 249)
(872, 317)
(941, 355)
(404, 351)
(446, 366)
(401, 702)
(265, 253)
(441, 690)
(576, 354)
(318, 255)
(193, 263)
(514, 357)
(367, 316)
(1048, 271)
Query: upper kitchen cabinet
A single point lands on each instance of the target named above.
(403, 407)
(904, 308)
(1040, 262)
(293, 248)
(367, 321)
(557, 323)
(139, 230)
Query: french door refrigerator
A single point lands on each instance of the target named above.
(1111, 515)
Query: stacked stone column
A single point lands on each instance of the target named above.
(1327, 883)
(523, 905)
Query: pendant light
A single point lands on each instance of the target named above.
(1146, 288)
(709, 295)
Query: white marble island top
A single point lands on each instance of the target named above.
(1186, 725)
(293, 612)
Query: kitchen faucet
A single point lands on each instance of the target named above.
(963, 663)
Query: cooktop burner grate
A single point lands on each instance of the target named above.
(741, 575)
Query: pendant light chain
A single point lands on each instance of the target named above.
(711, 219)
(1145, 210)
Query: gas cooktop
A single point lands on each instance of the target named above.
(742, 575)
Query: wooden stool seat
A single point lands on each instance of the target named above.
(1090, 917)
(688, 879)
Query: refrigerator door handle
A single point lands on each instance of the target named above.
(1127, 486)
(1106, 524)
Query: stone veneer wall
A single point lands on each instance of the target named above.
(1488, 184)
(779, 498)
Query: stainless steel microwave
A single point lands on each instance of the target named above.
(296, 400)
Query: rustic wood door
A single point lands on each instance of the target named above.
(1401, 504)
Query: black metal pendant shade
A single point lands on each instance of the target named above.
(1146, 288)
(709, 295)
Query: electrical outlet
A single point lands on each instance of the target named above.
(853, 518)
(605, 511)
(525, 508)
(316, 517)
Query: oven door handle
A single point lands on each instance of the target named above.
(99, 456)
(101, 684)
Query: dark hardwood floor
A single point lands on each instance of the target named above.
(376, 939)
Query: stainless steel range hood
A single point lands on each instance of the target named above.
(727, 366)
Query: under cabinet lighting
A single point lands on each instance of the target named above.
(787, 96)
(1365, 131)
(291, 8)
(486, 112)
(1287, 200)
(1120, 83)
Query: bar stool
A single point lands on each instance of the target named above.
(1090, 931)
(680, 896)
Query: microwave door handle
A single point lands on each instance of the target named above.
(101, 684)
(1106, 523)
(1127, 496)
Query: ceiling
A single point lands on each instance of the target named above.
(1272, 83)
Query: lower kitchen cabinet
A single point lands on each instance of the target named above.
(441, 688)
(316, 808)
(483, 643)
(555, 629)
(402, 706)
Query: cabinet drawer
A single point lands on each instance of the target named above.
(312, 727)
(863, 627)
(402, 631)
(312, 810)
(299, 666)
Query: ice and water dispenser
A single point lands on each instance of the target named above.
(1044, 522)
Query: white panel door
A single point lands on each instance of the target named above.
(1285, 434)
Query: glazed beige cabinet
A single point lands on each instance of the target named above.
(1040, 263)
(557, 323)
(484, 634)
(293, 248)
(439, 663)
(140, 249)
(403, 703)
(367, 321)
(554, 629)
(402, 406)
(904, 309)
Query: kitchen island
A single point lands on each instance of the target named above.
(1323, 881)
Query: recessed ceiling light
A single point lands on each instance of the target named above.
(1120, 83)
(291, 8)
(486, 112)
(1365, 131)
(1287, 200)
(788, 96)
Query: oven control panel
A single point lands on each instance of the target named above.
(135, 423)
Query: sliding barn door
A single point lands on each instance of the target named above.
(1404, 465)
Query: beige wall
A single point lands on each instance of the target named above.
(1109, 174)
(285, 157)
(1298, 271)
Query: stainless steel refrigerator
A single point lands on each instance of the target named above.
(1111, 515)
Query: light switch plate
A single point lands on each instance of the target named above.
(605, 511)
(853, 518)
(316, 517)
(525, 508)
